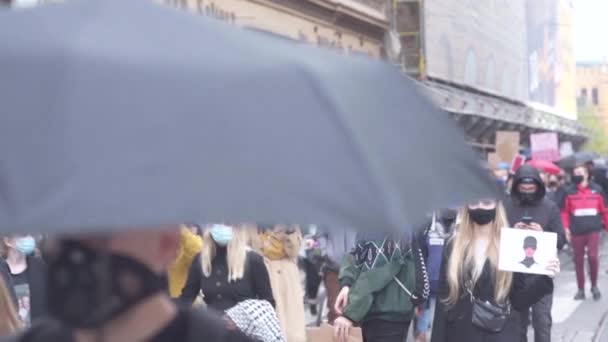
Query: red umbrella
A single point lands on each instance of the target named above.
(545, 166)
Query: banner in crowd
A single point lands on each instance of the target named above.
(545, 146)
(517, 162)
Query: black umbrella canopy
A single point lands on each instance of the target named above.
(578, 158)
(121, 113)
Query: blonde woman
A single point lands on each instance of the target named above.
(470, 282)
(9, 320)
(227, 271)
(280, 245)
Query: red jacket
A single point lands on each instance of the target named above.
(584, 209)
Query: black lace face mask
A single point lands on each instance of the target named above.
(88, 288)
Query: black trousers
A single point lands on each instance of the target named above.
(384, 331)
(541, 320)
(313, 278)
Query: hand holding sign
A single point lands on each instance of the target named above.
(554, 267)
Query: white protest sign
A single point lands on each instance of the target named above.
(526, 251)
(545, 146)
(566, 149)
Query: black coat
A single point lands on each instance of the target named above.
(36, 274)
(37, 277)
(454, 323)
(221, 295)
(542, 210)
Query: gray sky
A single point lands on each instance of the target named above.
(591, 27)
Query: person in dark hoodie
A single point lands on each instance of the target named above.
(530, 245)
(528, 208)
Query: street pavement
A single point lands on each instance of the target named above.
(577, 321)
(573, 321)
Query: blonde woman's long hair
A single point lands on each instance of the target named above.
(461, 259)
(236, 253)
(9, 321)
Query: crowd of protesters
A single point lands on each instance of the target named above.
(440, 278)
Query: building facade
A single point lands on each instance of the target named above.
(350, 26)
(592, 88)
(494, 65)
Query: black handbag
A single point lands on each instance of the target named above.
(489, 316)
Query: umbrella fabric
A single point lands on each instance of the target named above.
(127, 113)
(545, 166)
(578, 158)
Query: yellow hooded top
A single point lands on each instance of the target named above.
(190, 246)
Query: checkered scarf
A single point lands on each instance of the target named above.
(257, 319)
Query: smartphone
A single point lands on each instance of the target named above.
(527, 219)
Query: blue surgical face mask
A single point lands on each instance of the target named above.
(221, 234)
(25, 245)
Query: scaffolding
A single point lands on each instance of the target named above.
(408, 19)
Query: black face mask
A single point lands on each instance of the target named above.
(88, 288)
(527, 197)
(577, 179)
(482, 216)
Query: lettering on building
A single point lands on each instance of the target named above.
(333, 42)
(206, 8)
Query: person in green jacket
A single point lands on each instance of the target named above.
(382, 282)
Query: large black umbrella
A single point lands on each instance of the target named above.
(578, 158)
(125, 113)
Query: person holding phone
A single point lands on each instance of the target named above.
(528, 208)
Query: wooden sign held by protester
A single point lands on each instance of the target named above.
(507, 145)
(493, 160)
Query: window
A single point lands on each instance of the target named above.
(470, 68)
(595, 97)
(582, 99)
(490, 77)
(505, 88)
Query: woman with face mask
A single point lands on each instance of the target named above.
(584, 215)
(28, 273)
(227, 271)
(476, 301)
